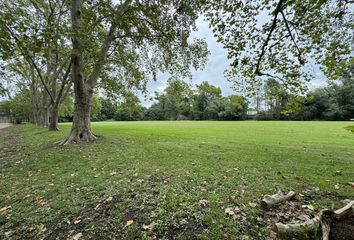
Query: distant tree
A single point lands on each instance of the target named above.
(202, 99)
(154, 112)
(130, 109)
(230, 108)
(19, 107)
(108, 110)
(34, 44)
(176, 100)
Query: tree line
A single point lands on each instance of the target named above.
(178, 102)
(332, 102)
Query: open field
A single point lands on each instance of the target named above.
(167, 180)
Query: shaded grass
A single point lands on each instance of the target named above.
(160, 170)
(350, 128)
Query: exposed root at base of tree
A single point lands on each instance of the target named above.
(327, 220)
(77, 137)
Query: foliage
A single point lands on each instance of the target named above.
(180, 102)
(280, 39)
(203, 99)
(229, 108)
(19, 107)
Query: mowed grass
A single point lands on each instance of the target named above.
(146, 180)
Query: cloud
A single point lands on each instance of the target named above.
(213, 71)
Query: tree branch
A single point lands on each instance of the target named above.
(92, 80)
(292, 38)
(63, 82)
(30, 60)
(265, 44)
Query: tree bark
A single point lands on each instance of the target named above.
(81, 127)
(83, 87)
(53, 120)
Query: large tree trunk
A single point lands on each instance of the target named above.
(53, 121)
(81, 127)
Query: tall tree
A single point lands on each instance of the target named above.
(34, 35)
(202, 100)
(143, 37)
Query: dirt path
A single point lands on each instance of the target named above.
(5, 125)
(9, 143)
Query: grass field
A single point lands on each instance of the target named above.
(167, 180)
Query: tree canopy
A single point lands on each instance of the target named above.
(281, 39)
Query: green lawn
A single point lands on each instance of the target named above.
(153, 175)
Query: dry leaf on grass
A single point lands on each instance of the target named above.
(252, 204)
(5, 208)
(76, 236)
(129, 222)
(204, 202)
(109, 199)
(148, 226)
(77, 221)
(309, 207)
(42, 228)
(235, 213)
(113, 173)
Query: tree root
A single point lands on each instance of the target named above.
(270, 201)
(77, 137)
(325, 219)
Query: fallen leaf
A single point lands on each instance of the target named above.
(129, 222)
(204, 202)
(4, 208)
(337, 186)
(77, 221)
(113, 173)
(109, 199)
(42, 228)
(351, 184)
(98, 205)
(76, 236)
(338, 172)
(252, 204)
(148, 226)
(310, 207)
(236, 169)
(229, 211)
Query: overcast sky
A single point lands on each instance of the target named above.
(214, 70)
